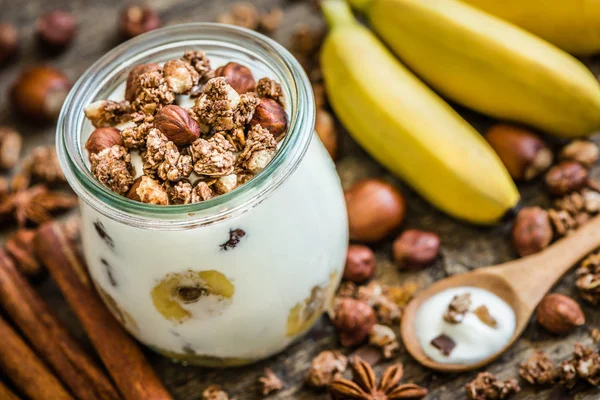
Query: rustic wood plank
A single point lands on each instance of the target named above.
(464, 247)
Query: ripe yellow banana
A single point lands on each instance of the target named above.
(489, 65)
(407, 128)
(572, 25)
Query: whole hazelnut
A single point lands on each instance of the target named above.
(415, 248)
(524, 154)
(532, 231)
(582, 151)
(271, 116)
(137, 19)
(559, 314)
(9, 41)
(177, 125)
(56, 29)
(325, 127)
(566, 177)
(10, 147)
(375, 209)
(353, 321)
(39, 92)
(360, 263)
(238, 76)
(131, 86)
(103, 138)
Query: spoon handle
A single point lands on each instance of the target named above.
(534, 275)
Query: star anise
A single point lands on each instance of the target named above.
(35, 204)
(364, 384)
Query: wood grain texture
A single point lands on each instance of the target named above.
(464, 247)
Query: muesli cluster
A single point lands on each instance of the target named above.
(189, 154)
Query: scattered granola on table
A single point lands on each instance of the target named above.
(539, 369)
(270, 382)
(385, 338)
(325, 367)
(363, 385)
(214, 392)
(588, 278)
(487, 387)
(585, 364)
(191, 154)
(10, 147)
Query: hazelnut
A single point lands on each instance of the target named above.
(137, 19)
(271, 116)
(180, 76)
(566, 177)
(559, 314)
(10, 147)
(532, 231)
(177, 125)
(56, 29)
(353, 321)
(103, 138)
(524, 154)
(415, 248)
(9, 41)
(582, 151)
(360, 263)
(131, 86)
(375, 209)
(39, 92)
(238, 76)
(325, 127)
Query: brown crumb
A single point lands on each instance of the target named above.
(134, 137)
(112, 167)
(582, 151)
(42, 164)
(585, 364)
(487, 387)
(270, 21)
(588, 278)
(270, 382)
(10, 147)
(384, 337)
(458, 308)
(562, 222)
(181, 76)
(212, 157)
(148, 190)
(216, 106)
(214, 392)
(484, 316)
(325, 367)
(266, 87)
(595, 334)
(153, 93)
(103, 113)
(260, 149)
(163, 159)
(539, 369)
(241, 14)
(200, 62)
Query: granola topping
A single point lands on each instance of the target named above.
(487, 387)
(585, 365)
(189, 155)
(457, 308)
(325, 367)
(539, 369)
(588, 278)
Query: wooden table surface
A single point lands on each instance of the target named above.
(464, 247)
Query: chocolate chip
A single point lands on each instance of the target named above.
(235, 235)
(444, 343)
(109, 272)
(103, 235)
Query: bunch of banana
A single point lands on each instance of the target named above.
(489, 65)
(406, 127)
(572, 25)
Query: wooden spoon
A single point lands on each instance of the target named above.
(521, 283)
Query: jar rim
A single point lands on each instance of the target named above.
(300, 108)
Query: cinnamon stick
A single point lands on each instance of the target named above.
(124, 360)
(52, 341)
(6, 393)
(25, 369)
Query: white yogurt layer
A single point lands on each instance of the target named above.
(475, 341)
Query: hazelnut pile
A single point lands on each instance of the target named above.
(188, 155)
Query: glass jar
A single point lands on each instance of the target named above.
(230, 280)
